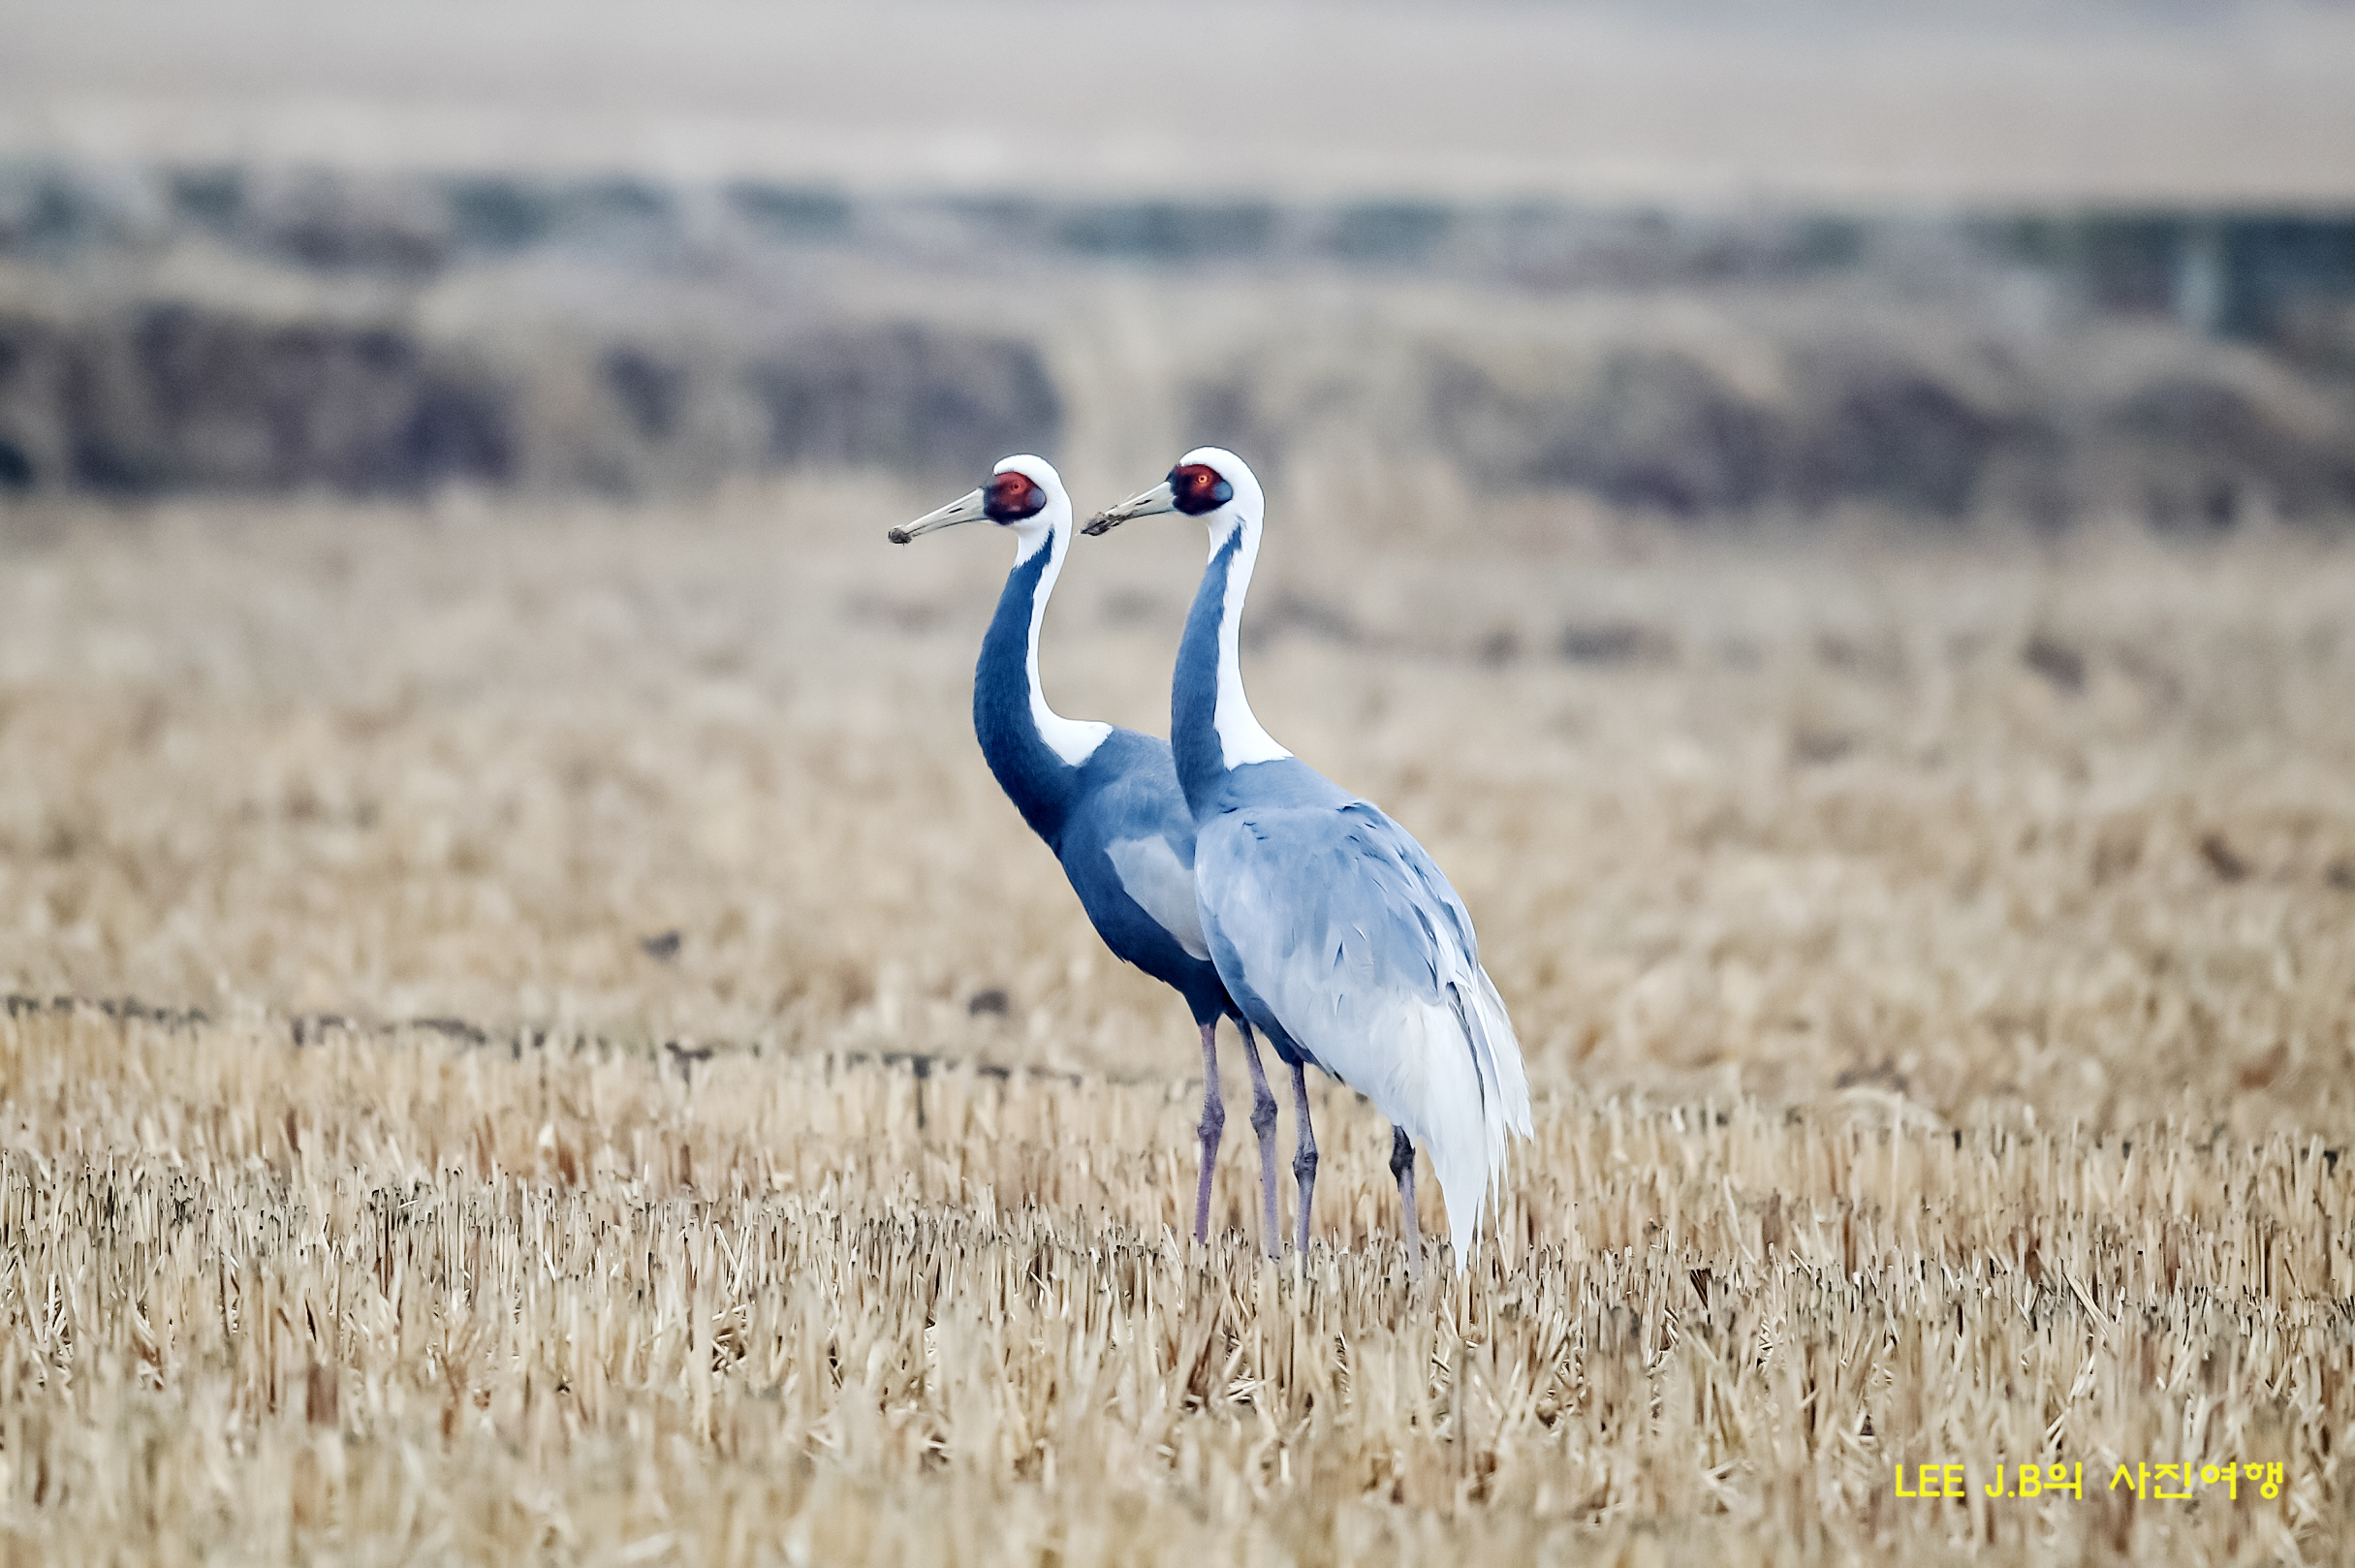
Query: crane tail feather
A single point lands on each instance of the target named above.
(1469, 1139)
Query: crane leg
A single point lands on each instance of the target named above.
(1213, 1123)
(1303, 1162)
(1402, 1166)
(1263, 1122)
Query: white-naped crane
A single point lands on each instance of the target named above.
(1336, 934)
(1105, 799)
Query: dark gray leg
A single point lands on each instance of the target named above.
(1303, 1162)
(1402, 1166)
(1263, 1122)
(1213, 1123)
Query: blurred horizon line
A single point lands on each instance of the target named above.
(1697, 105)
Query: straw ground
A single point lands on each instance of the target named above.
(535, 1039)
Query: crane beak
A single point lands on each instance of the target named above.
(1160, 498)
(964, 509)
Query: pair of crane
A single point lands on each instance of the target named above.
(1224, 866)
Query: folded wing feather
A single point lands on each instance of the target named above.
(1152, 876)
(1349, 932)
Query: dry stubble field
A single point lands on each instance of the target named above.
(1935, 963)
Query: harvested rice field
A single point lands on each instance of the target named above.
(533, 1037)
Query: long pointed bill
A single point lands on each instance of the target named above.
(964, 509)
(1160, 498)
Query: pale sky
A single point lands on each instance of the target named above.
(1856, 104)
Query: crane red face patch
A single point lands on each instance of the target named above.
(1013, 496)
(1199, 489)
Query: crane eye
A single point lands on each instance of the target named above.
(1014, 496)
(1199, 489)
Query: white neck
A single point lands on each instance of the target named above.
(1075, 740)
(1240, 738)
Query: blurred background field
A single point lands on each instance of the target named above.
(2066, 826)
(531, 1033)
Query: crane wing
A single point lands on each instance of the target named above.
(1151, 874)
(1344, 927)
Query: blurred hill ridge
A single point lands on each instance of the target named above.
(224, 328)
(1973, 261)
